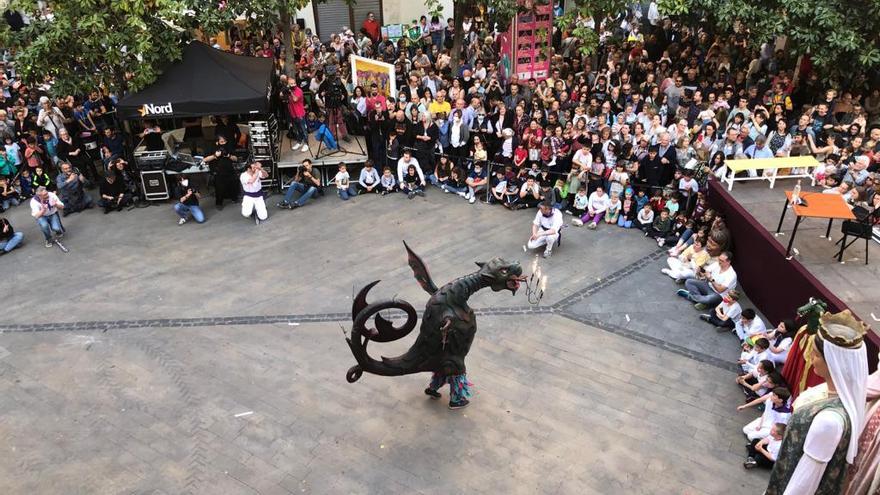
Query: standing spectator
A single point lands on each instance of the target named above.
(50, 117)
(222, 167)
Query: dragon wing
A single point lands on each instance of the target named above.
(420, 271)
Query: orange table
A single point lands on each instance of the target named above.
(818, 205)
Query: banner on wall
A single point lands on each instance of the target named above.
(366, 71)
(394, 31)
(525, 48)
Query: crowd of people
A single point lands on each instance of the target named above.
(624, 139)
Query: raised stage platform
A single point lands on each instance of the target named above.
(352, 152)
(856, 284)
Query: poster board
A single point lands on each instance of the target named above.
(394, 31)
(366, 71)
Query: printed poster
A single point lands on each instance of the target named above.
(366, 71)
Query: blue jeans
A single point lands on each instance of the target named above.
(306, 193)
(49, 224)
(183, 211)
(623, 222)
(456, 189)
(301, 132)
(701, 292)
(9, 202)
(12, 243)
(350, 192)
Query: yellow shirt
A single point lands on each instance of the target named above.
(699, 259)
(436, 107)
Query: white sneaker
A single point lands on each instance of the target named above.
(463, 195)
(181, 221)
(547, 254)
(577, 222)
(472, 199)
(294, 146)
(305, 147)
(592, 225)
(665, 270)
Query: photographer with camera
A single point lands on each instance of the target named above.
(188, 197)
(307, 182)
(222, 167)
(334, 97)
(251, 183)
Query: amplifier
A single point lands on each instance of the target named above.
(154, 185)
(150, 160)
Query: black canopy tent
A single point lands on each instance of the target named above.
(206, 81)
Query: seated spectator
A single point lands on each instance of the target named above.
(613, 211)
(682, 228)
(344, 188)
(661, 227)
(9, 238)
(511, 195)
(628, 210)
(750, 326)
(529, 193)
(498, 189)
(764, 452)
(307, 182)
(762, 381)
(776, 410)
(403, 165)
(476, 182)
(369, 178)
(545, 229)
(645, 218)
(412, 185)
(686, 265)
(8, 195)
(560, 195)
(70, 183)
(711, 282)
(596, 207)
(780, 340)
(188, 196)
(752, 354)
(579, 204)
(114, 197)
(387, 183)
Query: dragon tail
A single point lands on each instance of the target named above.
(384, 331)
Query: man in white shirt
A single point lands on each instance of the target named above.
(711, 283)
(44, 209)
(253, 192)
(545, 229)
(405, 161)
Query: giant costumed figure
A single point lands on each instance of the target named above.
(798, 370)
(445, 335)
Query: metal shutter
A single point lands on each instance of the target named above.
(330, 16)
(361, 8)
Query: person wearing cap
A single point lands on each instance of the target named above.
(823, 434)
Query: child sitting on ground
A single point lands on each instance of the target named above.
(613, 211)
(596, 207)
(412, 184)
(661, 227)
(387, 183)
(753, 384)
(344, 188)
(645, 218)
(751, 355)
(579, 203)
(776, 410)
(763, 453)
(628, 210)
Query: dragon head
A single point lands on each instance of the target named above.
(500, 274)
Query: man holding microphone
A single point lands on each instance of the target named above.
(253, 192)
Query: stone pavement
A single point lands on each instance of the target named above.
(210, 359)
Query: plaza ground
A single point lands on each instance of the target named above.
(210, 359)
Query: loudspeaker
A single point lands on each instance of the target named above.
(155, 185)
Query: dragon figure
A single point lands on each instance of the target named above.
(446, 333)
(798, 370)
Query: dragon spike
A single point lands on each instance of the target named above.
(360, 301)
(480, 263)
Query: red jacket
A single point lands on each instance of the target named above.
(371, 28)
